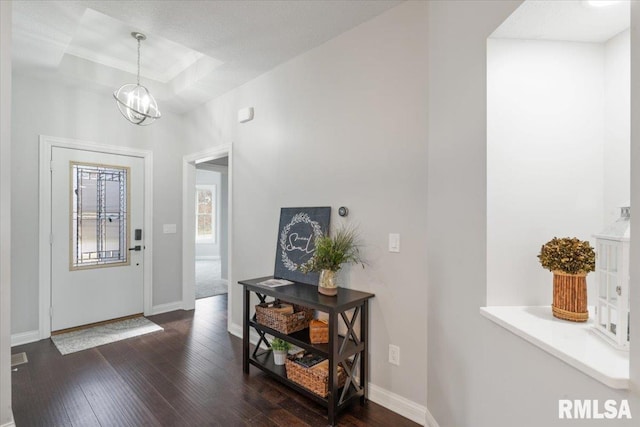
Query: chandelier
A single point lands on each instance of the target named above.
(134, 100)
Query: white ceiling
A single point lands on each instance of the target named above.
(568, 20)
(107, 41)
(194, 52)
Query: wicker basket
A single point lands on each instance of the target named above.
(318, 332)
(316, 378)
(570, 296)
(267, 315)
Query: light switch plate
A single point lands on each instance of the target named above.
(169, 228)
(394, 242)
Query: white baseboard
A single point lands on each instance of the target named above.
(430, 421)
(24, 338)
(165, 308)
(398, 404)
(11, 423)
(236, 330)
(394, 402)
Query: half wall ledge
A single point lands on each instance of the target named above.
(574, 343)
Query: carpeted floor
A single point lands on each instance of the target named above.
(208, 278)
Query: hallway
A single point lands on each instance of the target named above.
(209, 281)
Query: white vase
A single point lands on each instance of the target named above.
(327, 283)
(279, 357)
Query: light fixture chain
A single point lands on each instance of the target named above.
(138, 60)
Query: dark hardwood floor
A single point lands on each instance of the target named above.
(188, 375)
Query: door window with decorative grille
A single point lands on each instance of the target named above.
(99, 220)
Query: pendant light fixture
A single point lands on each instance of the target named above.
(134, 100)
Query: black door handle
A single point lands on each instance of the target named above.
(136, 248)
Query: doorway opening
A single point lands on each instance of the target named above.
(207, 226)
(211, 218)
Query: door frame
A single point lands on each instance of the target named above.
(47, 143)
(189, 163)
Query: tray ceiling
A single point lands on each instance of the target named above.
(194, 52)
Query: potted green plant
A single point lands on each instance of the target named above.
(330, 253)
(570, 259)
(280, 349)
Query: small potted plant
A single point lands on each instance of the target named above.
(570, 259)
(330, 253)
(280, 350)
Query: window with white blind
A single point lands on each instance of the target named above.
(206, 213)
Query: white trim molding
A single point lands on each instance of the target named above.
(24, 338)
(236, 330)
(398, 404)
(165, 308)
(430, 421)
(47, 143)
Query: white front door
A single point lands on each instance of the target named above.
(97, 211)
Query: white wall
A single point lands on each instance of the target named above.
(617, 94)
(634, 288)
(545, 168)
(6, 415)
(557, 154)
(341, 125)
(210, 249)
(72, 113)
(479, 374)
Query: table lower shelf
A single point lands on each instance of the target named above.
(264, 361)
(301, 339)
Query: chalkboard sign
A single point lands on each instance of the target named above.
(298, 230)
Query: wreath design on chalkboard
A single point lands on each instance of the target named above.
(297, 218)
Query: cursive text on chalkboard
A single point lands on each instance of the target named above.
(300, 243)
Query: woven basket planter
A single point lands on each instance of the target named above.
(268, 315)
(315, 378)
(318, 332)
(570, 296)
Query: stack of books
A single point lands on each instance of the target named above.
(308, 360)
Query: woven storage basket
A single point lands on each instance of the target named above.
(318, 332)
(286, 323)
(570, 296)
(315, 378)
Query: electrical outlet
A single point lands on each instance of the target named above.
(394, 354)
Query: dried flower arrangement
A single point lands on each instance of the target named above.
(569, 255)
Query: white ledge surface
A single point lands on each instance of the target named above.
(575, 343)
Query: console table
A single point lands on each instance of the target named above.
(338, 351)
